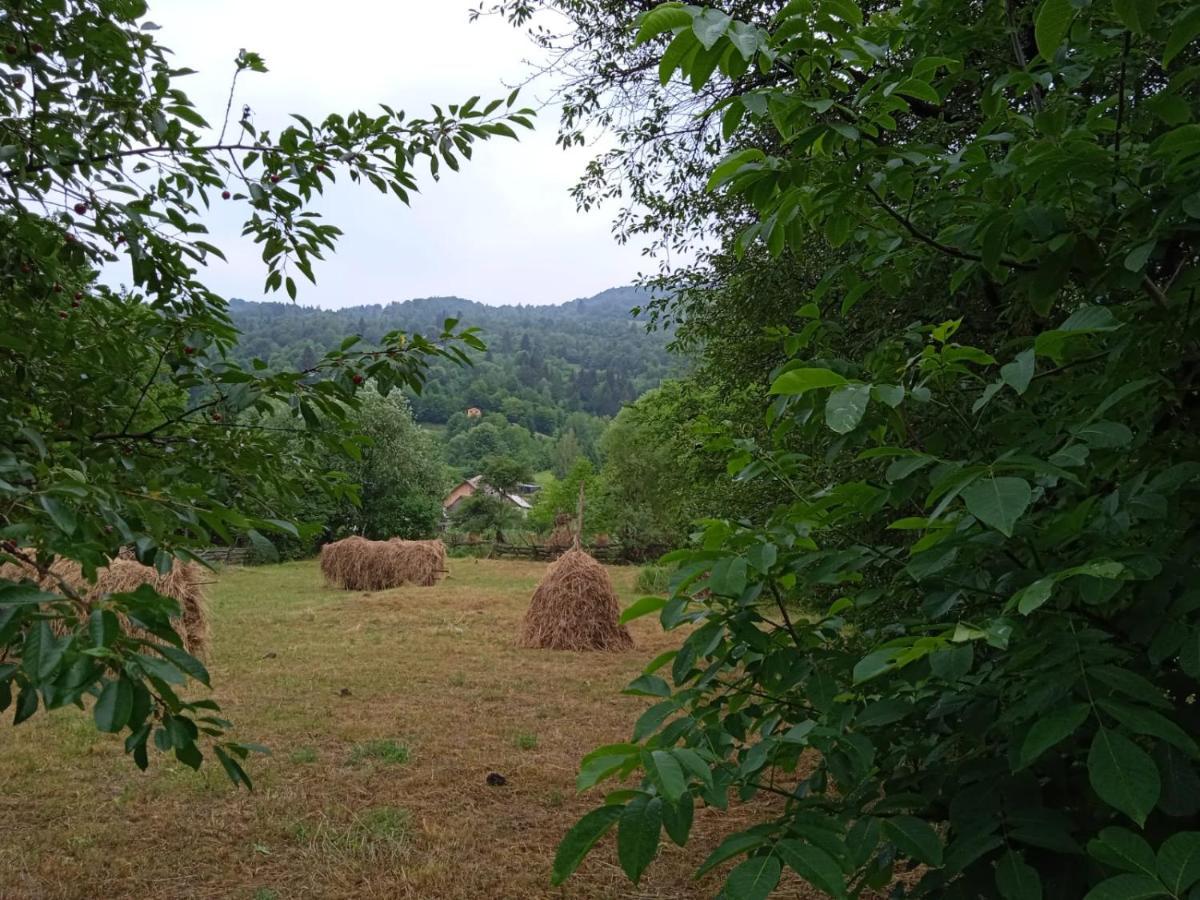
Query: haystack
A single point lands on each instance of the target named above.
(575, 606)
(183, 584)
(563, 535)
(358, 564)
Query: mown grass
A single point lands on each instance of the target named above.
(385, 712)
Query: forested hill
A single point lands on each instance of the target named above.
(542, 364)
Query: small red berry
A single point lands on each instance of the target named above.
(216, 417)
(69, 238)
(36, 47)
(189, 350)
(225, 195)
(321, 167)
(274, 179)
(81, 208)
(120, 238)
(62, 314)
(25, 269)
(57, 288)
(79, 295)
(10, 49)
(74, 304)
(357, 379)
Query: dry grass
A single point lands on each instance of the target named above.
(574, 608)
(316, 673)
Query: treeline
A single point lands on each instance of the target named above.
(543, 363)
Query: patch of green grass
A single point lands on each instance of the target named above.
(303, 755)
(266, 894)
(386, 751)
(458, 679)
(555, 799)
(653, 579)
(379, 834)
(525, 741)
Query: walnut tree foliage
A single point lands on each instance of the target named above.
(124, 419)
(964, 639)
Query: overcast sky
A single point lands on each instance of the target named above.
(502, 230)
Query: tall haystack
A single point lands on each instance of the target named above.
(183, 584)
(575, 606)
(358, 564)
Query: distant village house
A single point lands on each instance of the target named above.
(467, 488)
(474, 412)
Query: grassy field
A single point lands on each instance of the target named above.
(386, 712)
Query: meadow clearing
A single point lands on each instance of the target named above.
(385, 713)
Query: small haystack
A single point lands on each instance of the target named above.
(575, 606)
(183, 584)
(358, 564)
(563, 535)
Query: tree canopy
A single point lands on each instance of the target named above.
(121, 411)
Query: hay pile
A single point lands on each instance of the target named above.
(563, 535)
(358, 564)
(184, 584)
(574, 608)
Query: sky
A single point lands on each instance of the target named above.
(502, 230)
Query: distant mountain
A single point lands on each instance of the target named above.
(543, 362)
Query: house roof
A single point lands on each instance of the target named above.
(475, 484)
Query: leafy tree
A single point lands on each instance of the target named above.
(120, 412)
(399, 473)
(560, 496)
(505, 474)
(975, 599)
(484, 512)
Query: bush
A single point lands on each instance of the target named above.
(653, 579)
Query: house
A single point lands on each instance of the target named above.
(474, 412)
(467, 488)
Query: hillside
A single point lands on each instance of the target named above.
(543, 363)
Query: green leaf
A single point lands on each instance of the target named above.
(732, 164)
(666, 773)
(666, 17)
(1033, 596)
(1126, 887)
(677, 819)
(1122, 849)
(637, 834)
(103, 627)
(1016, 879)
(795, 382)
(814, 865)
(998, 502)
(1123, 775)
(1179, 862)
(24, 595)
(62, 516)
(753, 879)
(915, 838)
(709, 27)
(114, 706)
(642, 607)
(739, 842)
(1136, 15)
(1184, 32)
(580, 839)
(185, 662)
(1019, 373)
(1051, 729)
(1051, 26)
(1140, 720)
(846, 407)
